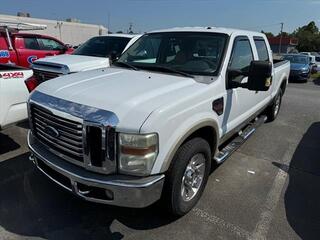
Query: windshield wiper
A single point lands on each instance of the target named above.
(170, 70)
(124, 64)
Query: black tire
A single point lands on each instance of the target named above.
(172, 194)
(271, 111)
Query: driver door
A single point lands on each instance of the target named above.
(240, 102)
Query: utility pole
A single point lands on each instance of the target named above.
(108, 22)
(280, 43)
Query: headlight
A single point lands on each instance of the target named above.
(137, 153)
(305, 70)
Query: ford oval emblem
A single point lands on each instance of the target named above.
(51, 131)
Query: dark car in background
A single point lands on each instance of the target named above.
(300, 69)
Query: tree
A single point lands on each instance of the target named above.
(308, 37)
(268, 34)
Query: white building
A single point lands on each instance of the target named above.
(68, 32)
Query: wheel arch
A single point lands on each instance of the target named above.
(207, 130)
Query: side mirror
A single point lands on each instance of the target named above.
(113, 57)
(260, 76)
(64, 49)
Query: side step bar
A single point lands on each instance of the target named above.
(243, 135)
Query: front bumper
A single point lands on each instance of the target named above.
(298, 75)
(119, 190)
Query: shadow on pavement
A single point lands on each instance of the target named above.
(32, 205)
(316, 81)
(302, 197)
(23, 124)
(7, 144)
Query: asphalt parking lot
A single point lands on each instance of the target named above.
(268, 189)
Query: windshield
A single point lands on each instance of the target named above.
(102, 46)
(188, 52)
(297, 59)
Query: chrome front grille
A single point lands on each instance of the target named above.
(80, 134)
(62, 136)
(43, 76)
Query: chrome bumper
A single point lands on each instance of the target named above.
(119, 190)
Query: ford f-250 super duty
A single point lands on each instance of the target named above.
(150, 126)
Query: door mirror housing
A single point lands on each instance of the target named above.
(259, 76)
(113, 57)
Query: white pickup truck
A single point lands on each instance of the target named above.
(151, 125)
(93, 54)
(13, 94)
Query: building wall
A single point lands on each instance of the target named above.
(68, 32)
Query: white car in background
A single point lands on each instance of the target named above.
(314, 58)
(93, 54)
(13, 94)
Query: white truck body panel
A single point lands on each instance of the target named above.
(13, 96)
(74, 63)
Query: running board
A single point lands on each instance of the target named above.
(243, 135)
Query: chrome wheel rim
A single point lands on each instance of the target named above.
(277, 106)
(193, 177)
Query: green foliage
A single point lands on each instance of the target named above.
(309, 38)
(268, 34)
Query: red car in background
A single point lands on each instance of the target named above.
(23, 48)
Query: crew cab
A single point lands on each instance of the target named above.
(13, 94)
(22, 49)
(151, 125)
(93, 54)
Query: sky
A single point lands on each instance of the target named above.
(146, 15)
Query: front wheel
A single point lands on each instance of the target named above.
(187, 176)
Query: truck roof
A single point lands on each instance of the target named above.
(121, 35)
(228, 31)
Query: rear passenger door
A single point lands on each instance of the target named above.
(262, 54)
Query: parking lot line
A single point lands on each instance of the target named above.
(221, 223)
(266, 216)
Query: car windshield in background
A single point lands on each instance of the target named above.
(297, 59)
(102, 46)
(186, 52)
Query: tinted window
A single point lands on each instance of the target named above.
(262, 49)
(50, 44)
(31, 43)
(194, 53)
(242, 55)
(300, 59)
(102, 46)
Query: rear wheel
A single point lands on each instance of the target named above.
(273, 110)
(187, 176)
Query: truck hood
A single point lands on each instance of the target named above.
(299, 66)
(131, 95)
(72, 63)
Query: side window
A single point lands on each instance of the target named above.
(261, 49)
(49, 44)
(31, 43)
(242, 55)
(146, 52)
